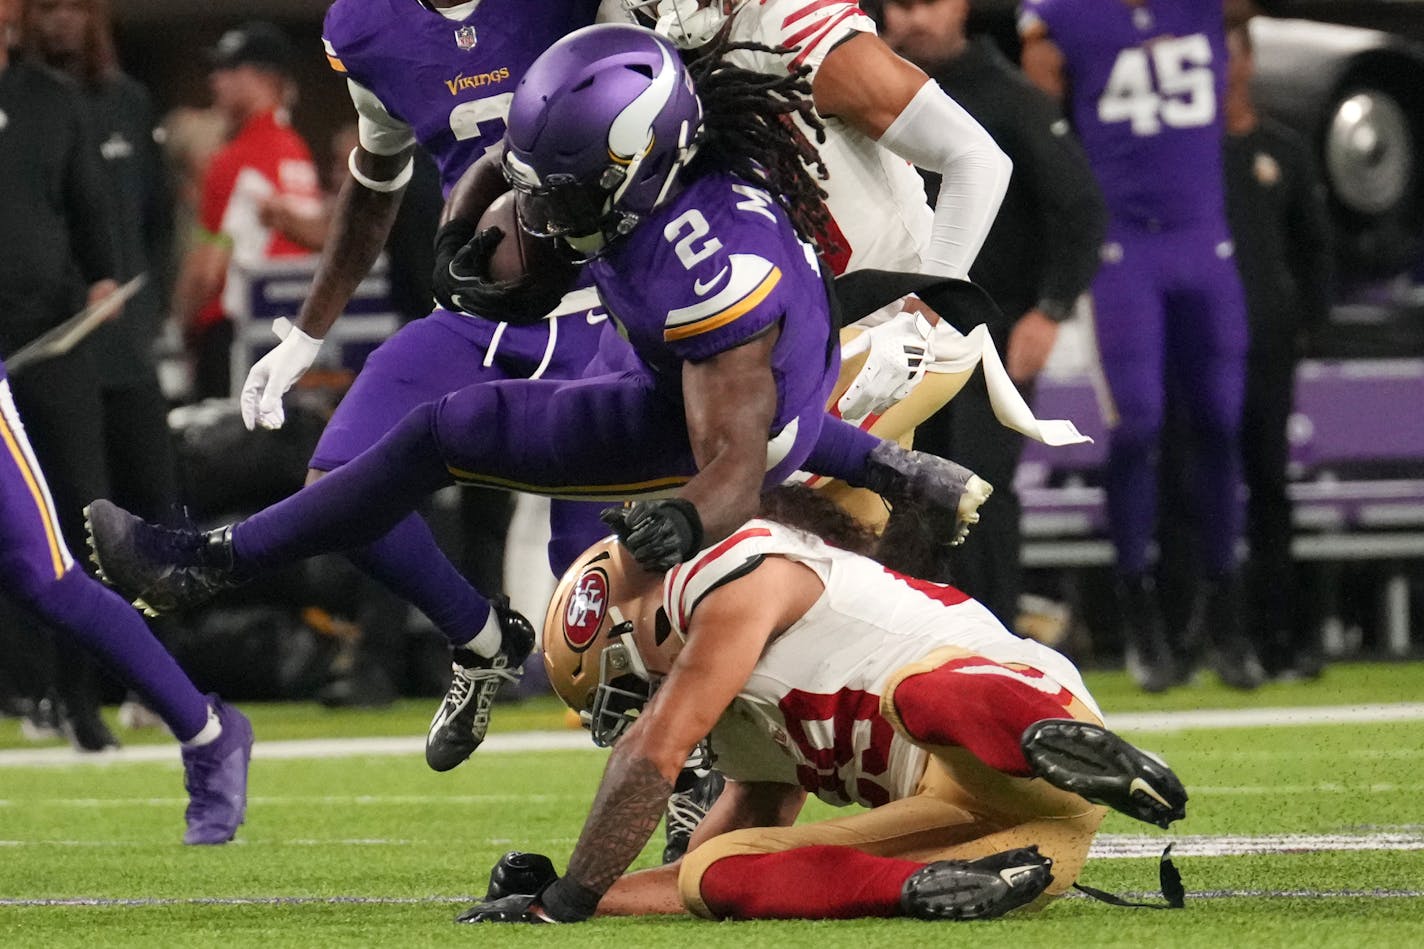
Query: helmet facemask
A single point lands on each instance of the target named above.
(624, 686)
(599, 130)
(688, 23)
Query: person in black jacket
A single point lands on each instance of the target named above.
(1275, 201)
(58, 254)
(135, 455)
(1039, 257)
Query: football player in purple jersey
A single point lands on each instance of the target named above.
(37, 569)
(698, 253)
(440, 74)
(1145, 79)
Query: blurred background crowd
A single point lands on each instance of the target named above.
(214, 138)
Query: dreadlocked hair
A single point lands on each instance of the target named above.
(746, 114)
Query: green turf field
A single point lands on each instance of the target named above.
(376, 850)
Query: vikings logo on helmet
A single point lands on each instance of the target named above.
(598, 129)
(587, 605)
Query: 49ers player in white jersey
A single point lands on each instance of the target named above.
(819, 670)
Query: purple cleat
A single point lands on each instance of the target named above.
(215, 776)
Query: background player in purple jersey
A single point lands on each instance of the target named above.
(1145, 79)
(37, 569)
(440, 73)
(722, 301)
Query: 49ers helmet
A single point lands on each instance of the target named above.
(607, 641)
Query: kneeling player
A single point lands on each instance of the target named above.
(816, 669)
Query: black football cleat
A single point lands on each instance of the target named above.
(977, 889)
(463, 717)
(161, 569)
(1095, 764)
(696, 790)
(898, 474)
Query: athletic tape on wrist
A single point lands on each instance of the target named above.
(385, 187)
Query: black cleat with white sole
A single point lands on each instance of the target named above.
(897, 473)
(977, 889)
(160, 569)
(463, 718)
(1092, 762)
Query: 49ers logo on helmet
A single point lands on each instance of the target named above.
(587, 605)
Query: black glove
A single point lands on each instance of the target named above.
(659, 534)
(510, 909)
(461, 279)
(560, 901)
(520, 873)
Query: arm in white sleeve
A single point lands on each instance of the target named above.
(935, 133)
(380, 132)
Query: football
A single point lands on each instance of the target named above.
(520, 253)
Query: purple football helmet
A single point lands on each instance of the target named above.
(599, 128)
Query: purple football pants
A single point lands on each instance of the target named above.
(425, 360)
(1171, 317)
(615, 435)
(36, 568)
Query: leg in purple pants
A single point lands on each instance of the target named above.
(1169, 305)
(1207, 339)
(1130, 323)
(36, 568)
(607, 437)
(425, 360)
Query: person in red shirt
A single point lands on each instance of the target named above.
(265, 158)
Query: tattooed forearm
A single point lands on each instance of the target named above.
(630, 802)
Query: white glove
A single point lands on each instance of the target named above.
(274, 374)
(900, 353)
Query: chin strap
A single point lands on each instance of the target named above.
(1169, 878)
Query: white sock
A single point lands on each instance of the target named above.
(209, 733)
(488, 640)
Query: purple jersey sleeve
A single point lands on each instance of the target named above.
(717, 266)
(450, 80)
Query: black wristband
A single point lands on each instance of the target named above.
(1055, 310)
(681, 507)
(568, 902)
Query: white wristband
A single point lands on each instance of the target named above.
(385, 187)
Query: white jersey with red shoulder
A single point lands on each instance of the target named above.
(876, 198)
(810, 712)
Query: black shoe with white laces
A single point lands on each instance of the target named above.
(696, 790)
(1092, 762)
(460, 724)
(977, 889)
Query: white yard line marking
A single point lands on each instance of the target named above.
(1266, 717)
(138, 903)
(345, 800)
(520, 742)
(1114, 846)
(1105, 846)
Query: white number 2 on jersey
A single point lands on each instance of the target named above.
(467, 117)
(1183, 96)
(685, 231)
